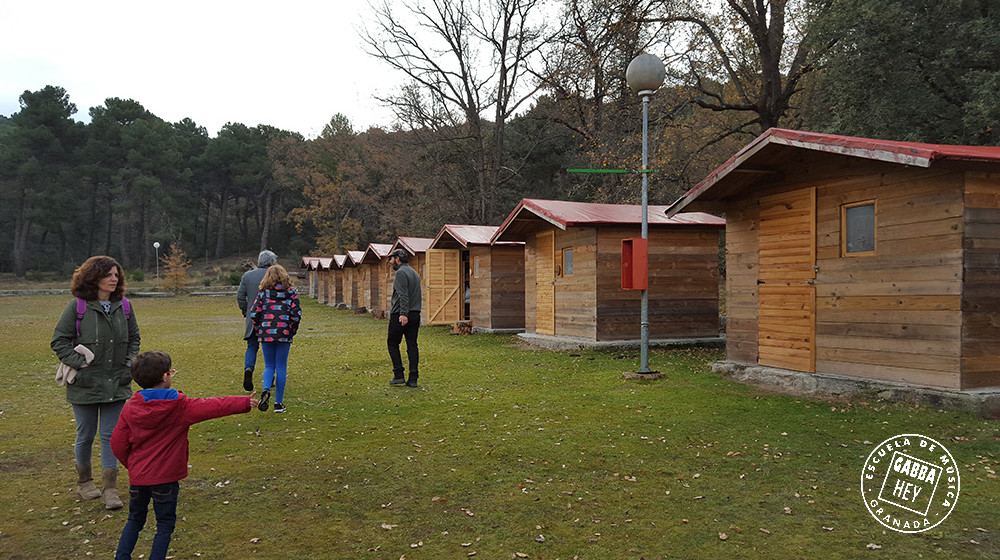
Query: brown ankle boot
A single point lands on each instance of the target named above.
(110, 492)
(85, 483)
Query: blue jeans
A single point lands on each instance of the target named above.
(164, 498)
(276, 365)
(88, 418)
(250, 359)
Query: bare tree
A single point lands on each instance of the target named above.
(749, 57)
(466, 63)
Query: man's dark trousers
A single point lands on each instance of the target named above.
(396, 334)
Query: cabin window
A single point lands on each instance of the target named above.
(475, 267)
(858, 229)
(567, 262)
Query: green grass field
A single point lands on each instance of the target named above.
(503, 452)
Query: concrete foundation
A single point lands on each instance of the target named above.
(982, 401)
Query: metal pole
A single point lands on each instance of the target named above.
(644, 318)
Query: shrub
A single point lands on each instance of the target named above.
(138, 275)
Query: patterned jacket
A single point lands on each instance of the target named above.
(276, 314)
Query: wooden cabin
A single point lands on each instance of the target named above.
(472, 279)
(416, 248)
(375, 270)
(869, 259)
(324, 279)
(337, 280)
(352, 279)
(572, 270)
(310, 268)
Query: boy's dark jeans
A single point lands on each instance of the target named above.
(396, 334)
(164, 498)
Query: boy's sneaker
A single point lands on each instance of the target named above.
(265, 396)
(248, 379)
(279, 407)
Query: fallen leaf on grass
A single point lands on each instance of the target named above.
(788, 511)
(765, 531)
(388, 527)
(723, 536)
(520, 555)
(827, 528)
(467, 512)
(255, 540)
(540, 538)
(873, 546)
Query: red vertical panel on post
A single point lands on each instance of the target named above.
(634, 263)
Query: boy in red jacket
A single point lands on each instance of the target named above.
(150, 440)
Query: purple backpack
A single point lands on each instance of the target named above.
(81, 308)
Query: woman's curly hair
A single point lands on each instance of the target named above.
(85, 278)
(276, 275)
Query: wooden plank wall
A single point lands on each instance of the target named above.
(742, 259)
(506, 274)
(481, 288)
(323, 292)
(981, 284)
(576, 295)
(337, 291)
(895, 315)
(683, 284)
(530, 277)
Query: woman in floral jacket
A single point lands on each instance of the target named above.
(275, 315)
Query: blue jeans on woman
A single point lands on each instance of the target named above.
(276, 365)
(164, 497)
(88, 418)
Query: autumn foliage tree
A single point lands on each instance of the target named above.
(175, 267)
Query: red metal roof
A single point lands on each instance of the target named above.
(339, 260)
(324, 262)
(904, 153)
(564, 214)
(376, 252)
(308, 262)
(413, 245)
(467, 235)
(355, 257)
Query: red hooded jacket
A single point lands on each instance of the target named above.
(150, 438)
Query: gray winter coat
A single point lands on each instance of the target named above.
(249, 286)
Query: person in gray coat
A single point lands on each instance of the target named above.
(249, 286)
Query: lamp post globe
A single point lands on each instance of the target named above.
(645, 74)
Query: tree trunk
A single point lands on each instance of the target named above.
(220, 241)
(22, 227)
(266, 226)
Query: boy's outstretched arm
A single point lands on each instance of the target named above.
(201, 409)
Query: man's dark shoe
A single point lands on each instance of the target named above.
(248, 379)
(411, 383)
(264, 398)
(397, 381)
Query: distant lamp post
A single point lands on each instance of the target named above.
(645, 75)
(156, 247)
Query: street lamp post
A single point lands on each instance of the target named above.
(645, 75)
(156, 247)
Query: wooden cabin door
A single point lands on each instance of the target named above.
(445, 298)
(545, 288)
(786, 335)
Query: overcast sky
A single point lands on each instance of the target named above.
(291, 65)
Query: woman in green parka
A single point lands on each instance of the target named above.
(101, 387)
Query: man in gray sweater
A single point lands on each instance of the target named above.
(404, 318)
(249, 286)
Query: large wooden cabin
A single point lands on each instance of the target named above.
(870, 259)
(573, 284)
